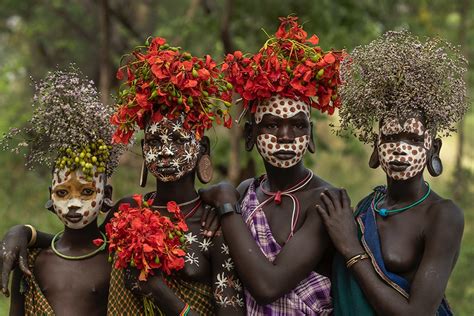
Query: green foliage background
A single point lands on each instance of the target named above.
(36, 36)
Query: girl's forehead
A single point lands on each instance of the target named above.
(397, 125)
(280, 106)
(63, 176)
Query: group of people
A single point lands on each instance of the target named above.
(287, 242)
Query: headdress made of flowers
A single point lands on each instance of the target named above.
(69, 127)
(289, 64)
(163, 81)
(397, 75)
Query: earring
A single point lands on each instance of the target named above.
(204, 169)
(374, 162)
(107, 205)
(435, 166)
(143, 175)
(48, 205)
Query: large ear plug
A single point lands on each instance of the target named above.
(204, 169)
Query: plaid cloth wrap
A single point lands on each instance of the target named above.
(35, 301)
(198, 295)
(310, 297)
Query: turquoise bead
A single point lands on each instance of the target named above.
(383, 212)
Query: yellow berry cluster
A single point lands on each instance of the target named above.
(85, 158)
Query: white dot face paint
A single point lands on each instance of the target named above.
(77, 201)
(281, 107)
(401, 157)
(278, 153)
(170, 151)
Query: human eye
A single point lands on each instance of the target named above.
(87, 191)
(61, 192)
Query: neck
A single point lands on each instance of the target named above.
(180, 191)
(280, 179)
(405, 190)
(80, 238)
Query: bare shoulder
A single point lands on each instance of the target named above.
(446, 212)
(243, 186)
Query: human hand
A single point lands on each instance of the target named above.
(210, 222)
(137, 287)
(219, 194)
(338, 218)
(14, 248)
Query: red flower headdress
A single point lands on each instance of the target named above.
(163, 81)
(289, 64)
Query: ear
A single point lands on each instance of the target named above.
(249, 135)
(108, 190)
(311, 145)
(435, 166)
(374, 161)
(205, 148)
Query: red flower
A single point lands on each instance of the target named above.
(172, 207)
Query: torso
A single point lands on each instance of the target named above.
(279, 216)
(402, 238)
(74, 287)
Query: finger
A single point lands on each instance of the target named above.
(23, 262)
(334, 196)
(328, 203)
(214, 226)
(204, 215)
(6, 269)
(346, 200)
(322, 212)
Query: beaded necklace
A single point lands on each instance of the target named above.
(385, 212)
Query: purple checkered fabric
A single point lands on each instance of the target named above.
(312, 296)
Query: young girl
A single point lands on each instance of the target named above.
(69, 131)
(398, 254)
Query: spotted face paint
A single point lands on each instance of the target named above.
(170, 151)
(77, 201)
(286, 131)
(403, 150)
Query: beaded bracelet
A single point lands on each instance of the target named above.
(353, 260)
(34, 234)
(185, 310)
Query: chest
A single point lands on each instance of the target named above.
(77, 285)
(197, 260)
(402, 242)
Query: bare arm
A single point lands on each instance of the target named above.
(226, 286)
(17, 301)
(442, 243)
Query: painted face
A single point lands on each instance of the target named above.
(283, 131)
(77, 201)
(403, 150)
(170, 151)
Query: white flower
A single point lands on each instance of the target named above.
(205, 244)
(191, 258)
(188, 156)
(165, 138)
(237, 285)
(151, 155)
(222, 301)
(175, 163)
(228, 264)
(153, 128)
(190, 238)
(221, 281)
(225, 249)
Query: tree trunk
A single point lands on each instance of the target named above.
(104, 67)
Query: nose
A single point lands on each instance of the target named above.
(400, 149)
(285, 134)
(74, 204)
(165, 152)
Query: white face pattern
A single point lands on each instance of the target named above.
(400, 158)
(278, 154)
(170, 151)
(77, 201)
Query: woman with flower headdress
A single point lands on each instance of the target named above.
(69, 132)
(174, 97)
(276, 238)
(396, 257)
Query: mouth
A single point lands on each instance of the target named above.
(398, 165)
(167, 170)
(284, 154)
(74, 217)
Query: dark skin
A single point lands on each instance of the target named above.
(268, 281)
(210, 260)
(421, 244)
(90, 276)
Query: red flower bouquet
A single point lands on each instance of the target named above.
(289, 64)
(163, 81)
(143, 238)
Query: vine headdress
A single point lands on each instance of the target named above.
(69, 127)
(397, 75)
